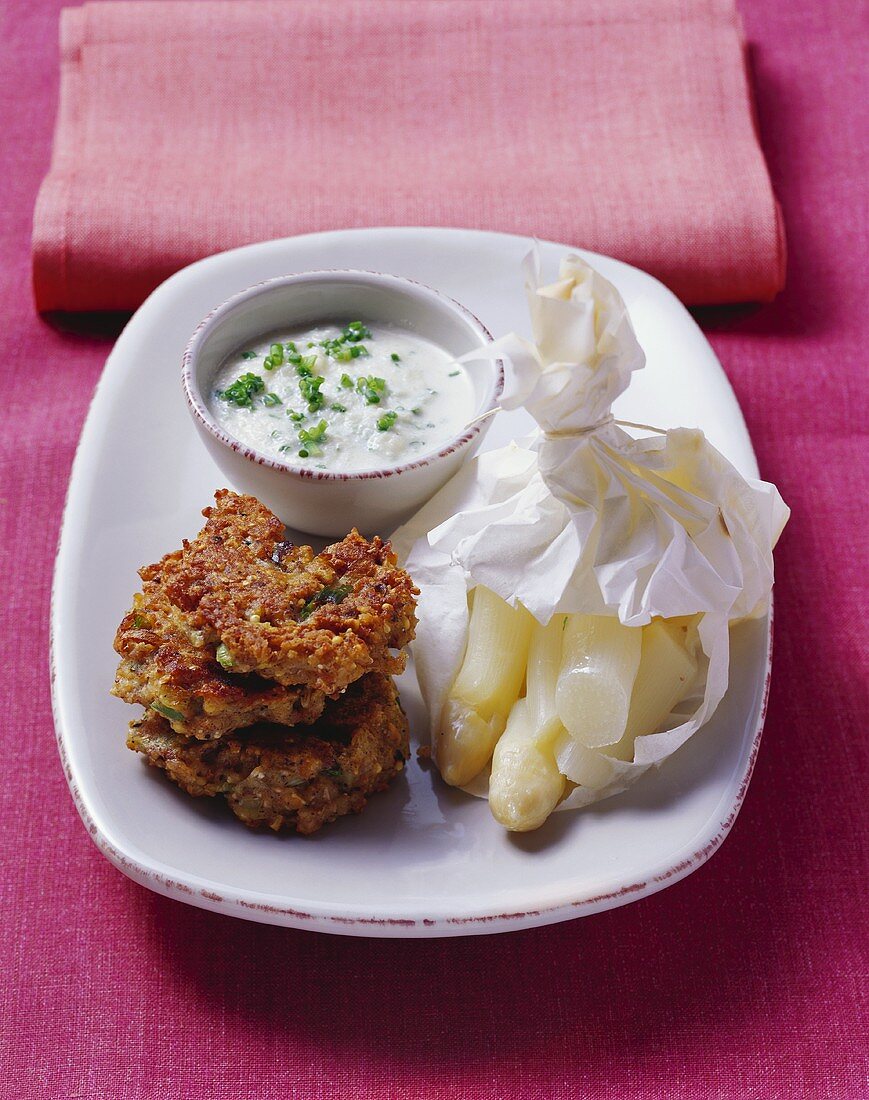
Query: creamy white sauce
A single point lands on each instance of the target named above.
(425, 398)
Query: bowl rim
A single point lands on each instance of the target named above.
(200, 412)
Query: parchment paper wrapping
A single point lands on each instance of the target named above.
(581, 516)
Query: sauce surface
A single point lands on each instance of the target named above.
(343, 398)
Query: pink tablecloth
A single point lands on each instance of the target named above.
(755, 973)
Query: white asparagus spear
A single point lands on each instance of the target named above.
(525, 785)
(585, 767)
(600, 659)
(668, 664)
(486, 687)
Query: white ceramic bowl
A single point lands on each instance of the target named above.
(324, 502)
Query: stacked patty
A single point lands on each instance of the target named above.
(241, 628)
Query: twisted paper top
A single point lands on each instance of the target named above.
(597, 521)
(583, 354)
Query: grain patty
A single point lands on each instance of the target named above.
(284, 778)
(240, 626)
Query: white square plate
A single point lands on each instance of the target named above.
(423, 860)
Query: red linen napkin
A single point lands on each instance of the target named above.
(188, 128)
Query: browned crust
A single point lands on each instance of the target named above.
(279, 778)
(166, 665)
(238, 583)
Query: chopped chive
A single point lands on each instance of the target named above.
(317, 434)
(272, 399)
(242, 390)
(293, 415)
(168, 712)
(311, 438)
(290, 346)
(276, 354)
(386, 421)
(336, 595)
(373, 389)
(310, 391)
(416, 411)
(346, 381)
(305, 365)
(249, 355)
(356, 331)
(338, 408)
(395, 357)
(454, 373)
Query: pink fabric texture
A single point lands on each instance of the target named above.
(746, 981)
(187, 128)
